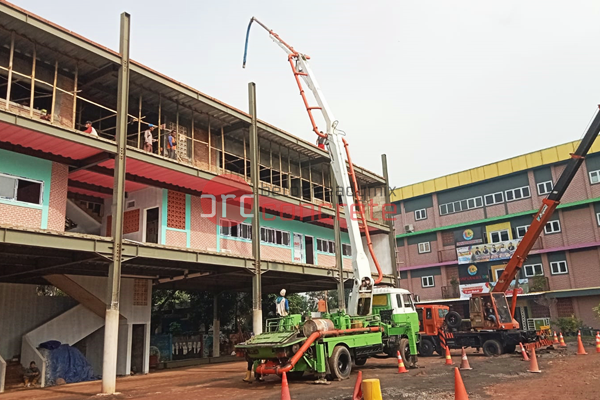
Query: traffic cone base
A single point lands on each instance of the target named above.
(460, 393)
(524, 353)
(358, 395)
(464, 362)
(401, 368)
(285, 389)
(448, 356)
(533, 365)
(562, 341)
(580, 349)
(555, 341)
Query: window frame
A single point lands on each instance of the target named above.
(16, 190)
(326, 246)
(533, 270)
(430, 279)
(500, 236)
(240, 229)
(420, 214)
(271, 236)
(520, 227)
(558, 263)
(598, 218)
(428, 250)
(494, 198)
(514, 194)
(346, 250)
(597, 174)
(549, 223)
(545, 183)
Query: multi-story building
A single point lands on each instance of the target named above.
(456, 233)
(56, 191)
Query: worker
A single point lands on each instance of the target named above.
(322, 305)
(282, 306)
(171, 145)
(321, 142)
(489, 312)
(31, 375)
(90, 129)
(148, 139)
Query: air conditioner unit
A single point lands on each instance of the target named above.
(409, 228)
(130, 204)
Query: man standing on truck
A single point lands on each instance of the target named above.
(282, 306)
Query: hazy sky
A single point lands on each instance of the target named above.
(439, 86)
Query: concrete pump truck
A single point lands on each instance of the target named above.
(380, 320)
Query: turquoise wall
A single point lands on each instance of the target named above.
(24, 166)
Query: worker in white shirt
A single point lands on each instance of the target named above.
(90, 129)
(148, 139)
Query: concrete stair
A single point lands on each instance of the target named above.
(14, 376)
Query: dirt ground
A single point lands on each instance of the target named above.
(564, 376)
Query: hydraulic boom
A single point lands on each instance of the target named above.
(347, 187)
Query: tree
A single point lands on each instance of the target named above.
(597, 311)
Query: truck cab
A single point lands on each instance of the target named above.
(491, 311)
(431, 317)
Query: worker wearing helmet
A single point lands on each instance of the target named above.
(282, 306)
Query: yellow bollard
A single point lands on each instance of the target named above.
(371, 389)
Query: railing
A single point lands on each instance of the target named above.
(450, 292)
(2, 374)
(447, 255)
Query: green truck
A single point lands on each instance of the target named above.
(329, 346)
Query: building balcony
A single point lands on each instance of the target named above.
(450, 292)
(447, 255)
(539, 284)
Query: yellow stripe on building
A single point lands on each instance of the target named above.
(493, 170)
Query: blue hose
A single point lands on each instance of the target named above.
(246, 45)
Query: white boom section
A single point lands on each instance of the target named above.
(362, 290)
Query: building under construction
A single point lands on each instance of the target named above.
(58, 187)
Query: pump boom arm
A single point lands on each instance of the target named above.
(360, 300)
(549, 204)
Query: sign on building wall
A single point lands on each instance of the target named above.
(467, 236)
(487, 252)
(467, 290)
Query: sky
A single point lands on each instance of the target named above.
(438, 86)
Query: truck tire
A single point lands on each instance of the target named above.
(510, 348)
(426, 348)
(340, 363)
(360, 362)
(404, 349)
(492, 348)
(453, 320)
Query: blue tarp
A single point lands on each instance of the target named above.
(68, 363)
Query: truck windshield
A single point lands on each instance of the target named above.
(407, 299)
(502, 307)
(442, 312)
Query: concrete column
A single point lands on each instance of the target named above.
(111, 328)
(338, 245)
(389, 221)
(216, 327)
(254, 168)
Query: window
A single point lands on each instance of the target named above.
(498, 273)
(420, 214)
(552, 227)
(236, 230)
(427, 281)
(598, 218)
(346, 250)
(545, 187)
(19, 189)
(499, 236)
(533, 270)
(521, 231)
(494, 198)
(558, 267)
(274, 236)
(461, 205)
(326, 246)
(424, 247)
(518, 193)
(594, 176)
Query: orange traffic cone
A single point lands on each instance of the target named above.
(580, 349)
(598, 342)
(464, 361)
(460, 393)
(401, 368)
(357, 395)
(562, 341)
(524, 353)
(285, 389)
(555, 341)
(533, 365)
(448, 356)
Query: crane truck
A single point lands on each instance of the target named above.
(496, 331)
(380, 320)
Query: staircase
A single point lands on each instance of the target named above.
(85, 220)
(14, 376)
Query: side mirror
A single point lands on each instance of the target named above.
(417, 298)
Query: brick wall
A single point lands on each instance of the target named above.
(465, 216)
(538, 310)
(238, 247)
(495, 211)
(409, 218)
(57, 207)
(203, 230)
(521, 205)
(451, 272)
(430, 293)
(414, 258)
(325, 260)
(21, 216)
(176, 238)
(275, 253)
(585, 305)
(585, 268)
(578, 226)
(564, 307)
(577, 189)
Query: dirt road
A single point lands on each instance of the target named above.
(564, 376)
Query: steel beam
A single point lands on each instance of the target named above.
(111, 328)
(92, 161)
(389, 223)
(254, 174)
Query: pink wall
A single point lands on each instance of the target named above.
(21, 216)
(58, 197)
(585, 304)
(238, 247)
(466, 216)
(585, 268)
(203, 230)
(414, 258)
(176, 238)
(431, 293)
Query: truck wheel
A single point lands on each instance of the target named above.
(492, 348)
(426, 348)
(340, 363)
(453, 320)
(360, 361)
(509, 349)
(404, 348)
